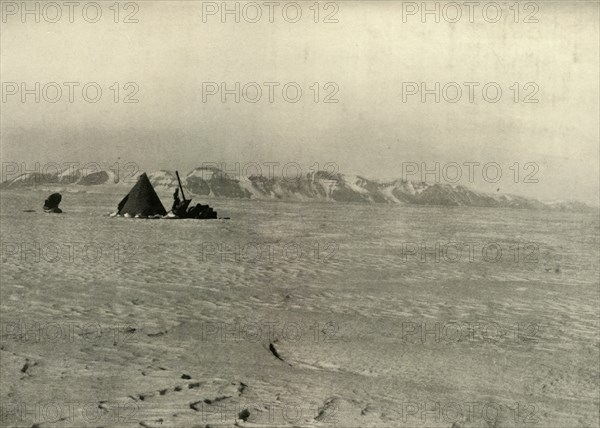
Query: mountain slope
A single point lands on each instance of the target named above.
(209, 182)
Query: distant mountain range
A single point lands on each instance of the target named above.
(211, 182)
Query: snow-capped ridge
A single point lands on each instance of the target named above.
(212, 182)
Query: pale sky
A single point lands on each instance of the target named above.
(369, 54)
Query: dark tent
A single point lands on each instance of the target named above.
(141, 200)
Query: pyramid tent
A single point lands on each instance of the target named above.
(141, 200)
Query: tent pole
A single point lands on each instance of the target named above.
(180, 186)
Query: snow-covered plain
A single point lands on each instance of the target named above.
(297, 314)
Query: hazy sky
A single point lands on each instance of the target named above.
(369, 54)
